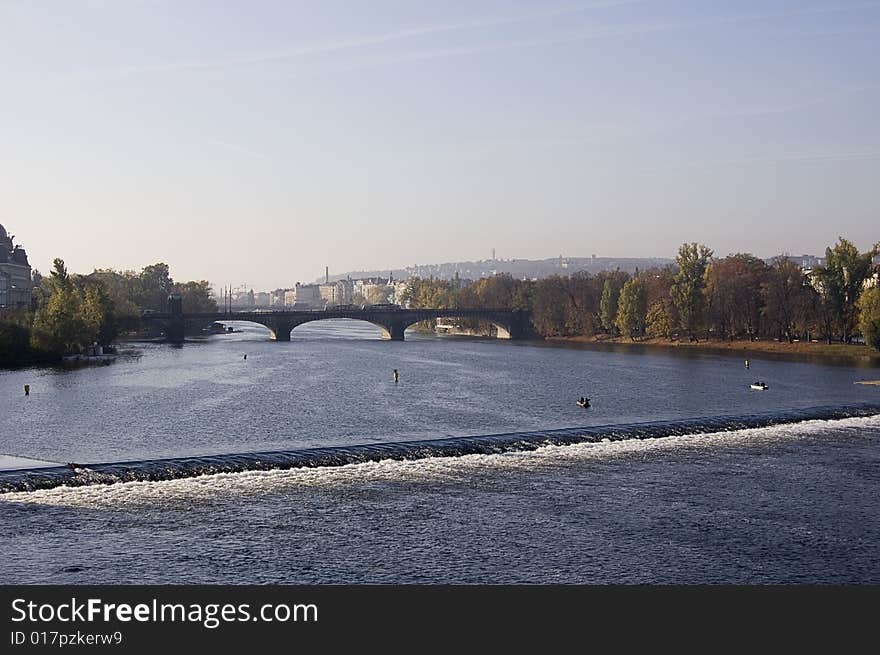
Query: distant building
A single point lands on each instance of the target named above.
(806, 262)
(305, 295)
(336, 293)
(16, 282)
(262, 299)
(276, 298)
(874, 278)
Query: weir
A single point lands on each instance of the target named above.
(185, 467)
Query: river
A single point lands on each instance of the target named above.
(782, 503)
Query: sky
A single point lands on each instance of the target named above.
(254, 143)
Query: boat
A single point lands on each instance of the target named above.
(759, 386)
(583, 402)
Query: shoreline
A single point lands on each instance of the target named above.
(799, 351)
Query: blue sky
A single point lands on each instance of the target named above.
(256, 142)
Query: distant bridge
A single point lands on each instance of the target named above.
(392, 321)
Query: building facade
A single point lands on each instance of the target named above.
(307, 296)
(16, 283)
(336, 293)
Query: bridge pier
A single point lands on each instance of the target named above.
(175, 331)
(393, 332)
(280, 329)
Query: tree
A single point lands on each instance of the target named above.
(377, 295)
(75, 313)
(122, 288)
(688, 288)
(552, 307)
(786, 295)
(59, 326)
(97, 312)
(197, 297)
(153, 287)
(494, 292)
(869, 316)
(608, 306)
(632, 309)
(658, 322)
(733, 288)
(15, 337)
(840, 282)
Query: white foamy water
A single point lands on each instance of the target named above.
(458, 468)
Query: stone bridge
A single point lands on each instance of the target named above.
(393, 321)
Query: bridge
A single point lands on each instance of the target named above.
(391, 320)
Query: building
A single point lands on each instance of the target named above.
(337, 293)
(374, 289)
(262, 299)
(306, 296)
(874, 276)
(16, 283)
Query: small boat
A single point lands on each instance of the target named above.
(583, 402)
(759, 386)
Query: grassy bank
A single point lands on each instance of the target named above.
(800, 350)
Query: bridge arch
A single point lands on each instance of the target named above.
(383, 330)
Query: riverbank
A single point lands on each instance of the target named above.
(800, 350)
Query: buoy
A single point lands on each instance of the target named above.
(27, 390)
(395, 376)
(245, 356)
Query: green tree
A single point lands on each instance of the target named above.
(59, 326)
(869, 316)
(690, 283)
(197, 297)
(15, 339)
(97, 312)
(632, 309)
(153, 287)
(608, 306)
(123, 290)
(840, 283)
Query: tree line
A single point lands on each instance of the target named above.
(700, 297)
(70, 313)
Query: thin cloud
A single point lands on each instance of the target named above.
(286, 54)
(604, 32)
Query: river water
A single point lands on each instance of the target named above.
(784, 503)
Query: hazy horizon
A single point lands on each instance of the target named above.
(255, 143)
